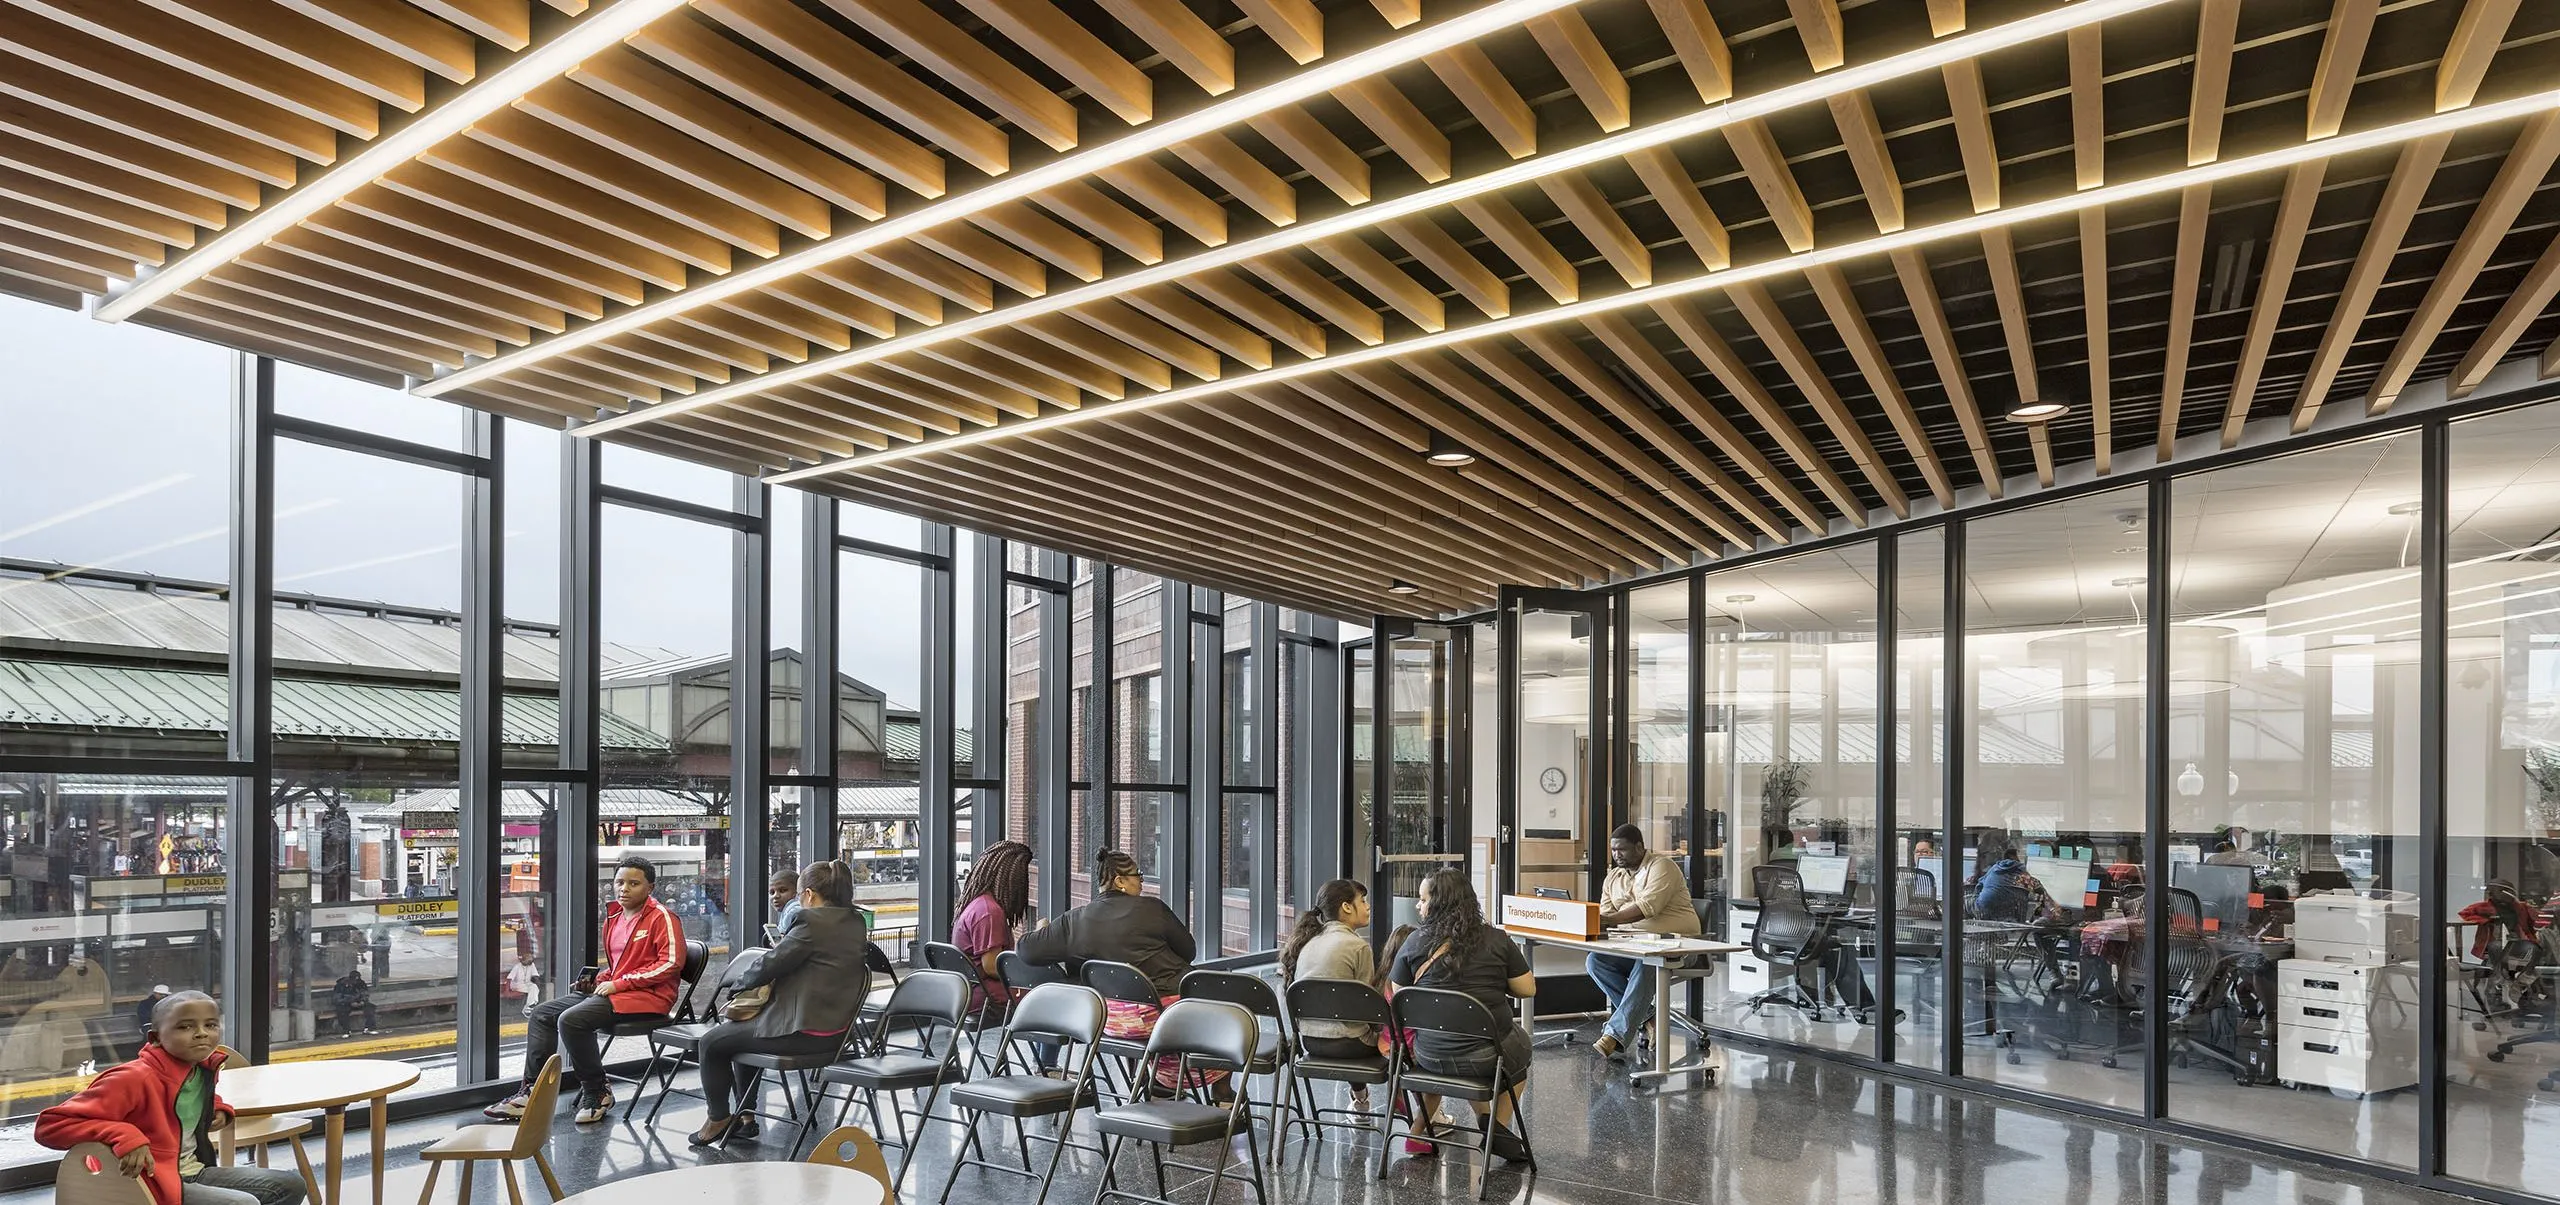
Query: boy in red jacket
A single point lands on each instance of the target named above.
(158, 1113)
(644, 956)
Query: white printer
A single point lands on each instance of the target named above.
(2347, 1001)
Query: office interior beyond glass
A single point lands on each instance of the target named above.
(2193, 704)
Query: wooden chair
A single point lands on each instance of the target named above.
(91, 1174)
(505, 1145)
(257, 1134)
(854, 1147)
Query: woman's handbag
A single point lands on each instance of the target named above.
(745, 1005)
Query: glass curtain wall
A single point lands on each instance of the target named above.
(425, 868)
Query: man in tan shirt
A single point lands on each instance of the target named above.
(1644, 890)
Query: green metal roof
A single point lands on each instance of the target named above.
(57, 694)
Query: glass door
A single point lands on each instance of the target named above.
(1419, 798)
(1553, 816)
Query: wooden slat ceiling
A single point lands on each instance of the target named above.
(674, 229)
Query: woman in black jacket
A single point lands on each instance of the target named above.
(818, 980)
(1126, 925)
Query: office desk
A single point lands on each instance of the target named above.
(1659, 955)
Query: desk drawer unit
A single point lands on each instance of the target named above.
(2345, 1061)
(2346, 1026)
(1744, 975)
(2357, 984)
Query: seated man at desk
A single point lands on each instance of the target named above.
(1645, 891)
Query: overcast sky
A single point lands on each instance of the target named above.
(113, 454)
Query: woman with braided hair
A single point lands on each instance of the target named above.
(994, 899)
(1123, 924)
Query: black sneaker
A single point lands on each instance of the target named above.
(593, 1106)
(510, 1109)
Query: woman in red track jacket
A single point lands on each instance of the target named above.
(644, 960)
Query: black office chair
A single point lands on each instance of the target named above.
(697, 959)
(672, 1046)
(1346, 1001)
(930, 1007)
(1060, 1015)
(1272, 1048)
(1127, 984)
(1791, 939)
(1426, 1010)
(1198, 1036)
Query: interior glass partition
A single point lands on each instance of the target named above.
(2293, 747)
(2501, 797)
(1918, 900)
(2051, 736)
(1556, 780)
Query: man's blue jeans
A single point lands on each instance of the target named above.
(1628, 985)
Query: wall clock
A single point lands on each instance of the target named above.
(1551, 780)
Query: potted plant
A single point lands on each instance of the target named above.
(1782, 787)
(2542, 768)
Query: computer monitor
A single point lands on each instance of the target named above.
(1824, 875)
(2222, 891)
(2065, 879)
(1936, 868)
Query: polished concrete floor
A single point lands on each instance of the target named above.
(1780, 1128)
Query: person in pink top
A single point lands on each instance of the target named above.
(993, 902)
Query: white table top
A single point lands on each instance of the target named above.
(318, 1084)
(1666, 946)
(723, 1183)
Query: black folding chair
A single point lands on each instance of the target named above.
(1127, 984)
(672, 1046)
(1431, 1010)
(1342, 1001)
(1272, 1048)
(1199, 1036)
(990, 1012)
(929, 1005)
(1065, 1015)
(1020, 975)
(697, 959)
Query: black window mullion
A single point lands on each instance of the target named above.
(249, 890)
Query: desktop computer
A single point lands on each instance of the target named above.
(1825, 875)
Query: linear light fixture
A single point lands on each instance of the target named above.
(1837, 83)
(535, 67)
(2345, 144)
(1020, 186)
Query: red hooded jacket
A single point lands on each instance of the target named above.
(647, 963)
(136, 1104)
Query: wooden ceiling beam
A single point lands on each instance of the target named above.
(1170, 197)
(360, 310)
(2217, 27)
(2088, 106)
(830, 304)
(2195, 210)
(933, 42)
(1674, 388)
(1352, 256)
(402, 30)
(491, 226)
(1296, 133)
(1085, 207)
(2000, 258)
(894, 293)
(2284, 251)
(1559, 351)
(928, 270)
(2477, 34)
(317, 245)
(1863, 139)
(591, 181)
(1818, 27)
(1706, 532)
(278, 260)
(1170, 305)
(2341, 57)
(689, 161)
(644, 88)
(100, 64)
(1068, 48)
(1414, 138)
(1231, 167)
(509, 23)
(773, 311)
(121, 111)
(2098, 331)
(1518, 472)
(1259, 310)
(1148, 334)
(47, 161)
(291, 91)
(1699, 45)
(295, 40)
(1778, 334)
(1508, 230)
(1470, 75)
(2537, 147)
(1422, 237)
(1295, 26)
(1690, 326)
(1598, 220)
(1104, 351)
(2401, 195)
(799, 38)
(997, 260)
(1677, 193)
(1578, 420)
(1018, 223)
(723, 67)
(2524, 303)
(1171, 29)
(1831, 287)
(1766, 167)
(1585, 65)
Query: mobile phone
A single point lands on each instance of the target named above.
(587, 974)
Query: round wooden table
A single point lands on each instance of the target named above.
(723, 1183)
(329, 1085)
